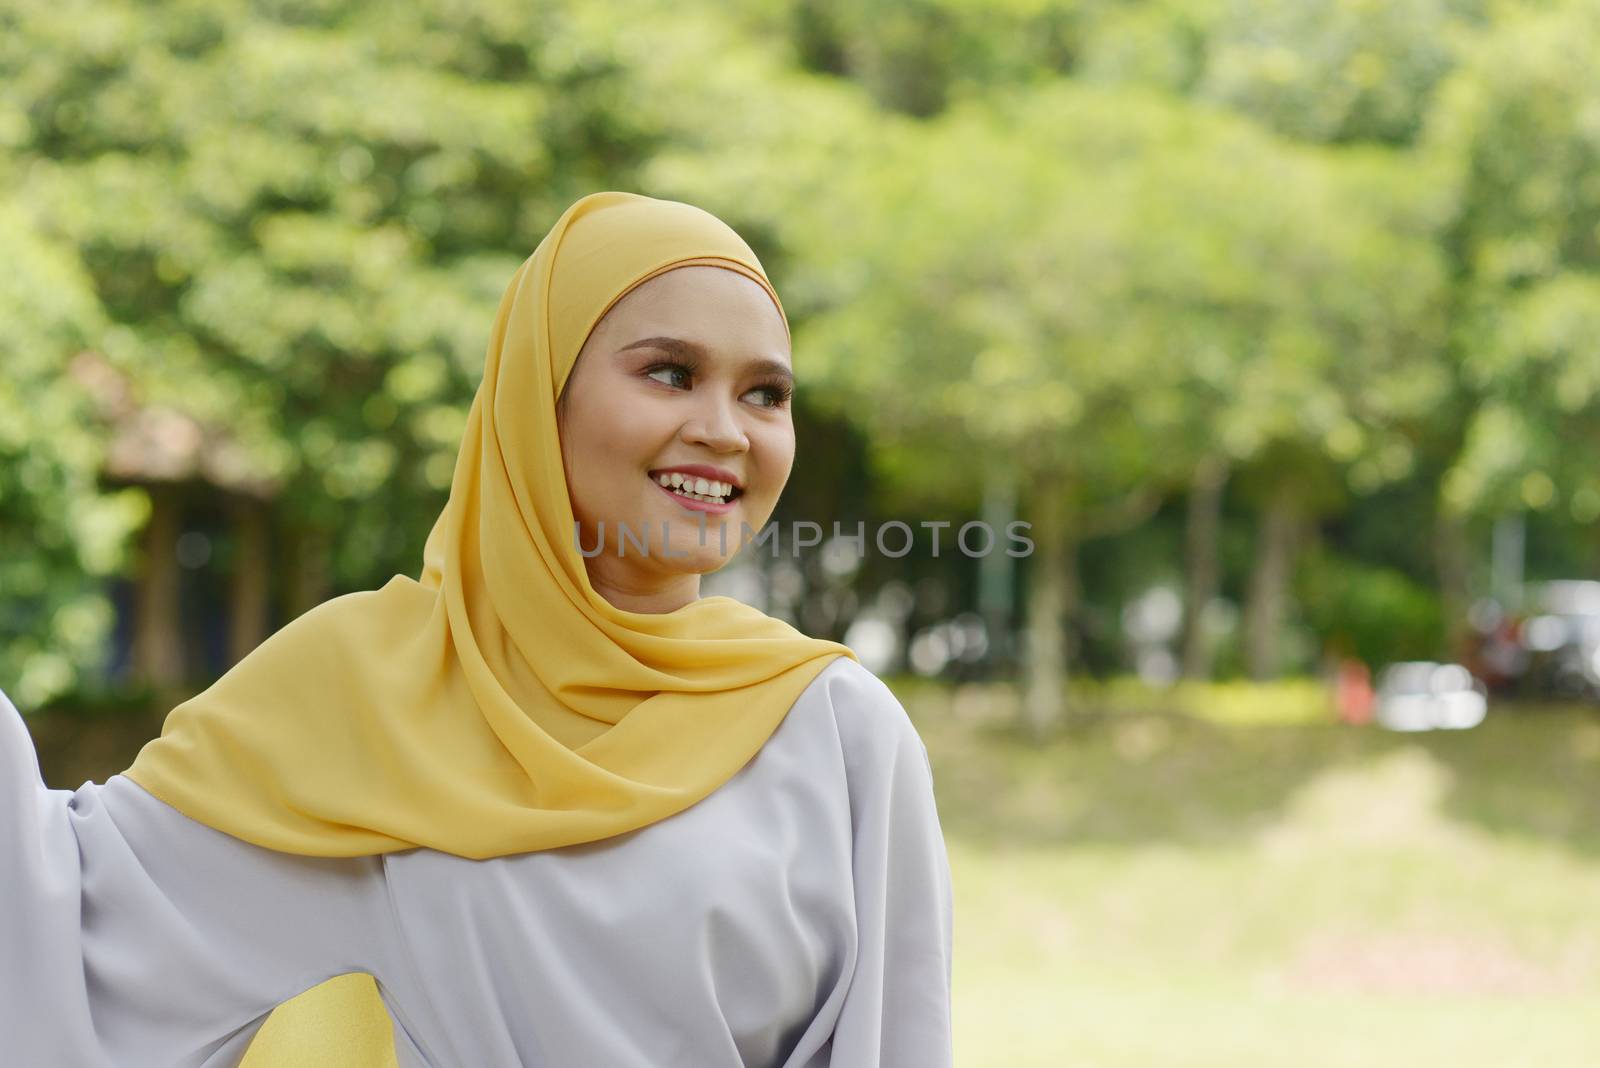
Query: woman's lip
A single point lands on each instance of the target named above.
(720, 474)
(692, 504)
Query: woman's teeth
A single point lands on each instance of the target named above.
(697, 489)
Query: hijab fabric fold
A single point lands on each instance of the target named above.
(497, 704)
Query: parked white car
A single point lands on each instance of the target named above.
(1421, 695)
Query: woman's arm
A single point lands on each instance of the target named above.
(131, 935)
(897, 1011)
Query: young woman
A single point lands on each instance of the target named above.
(564, 810)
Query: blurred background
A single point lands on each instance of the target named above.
(1278, 320)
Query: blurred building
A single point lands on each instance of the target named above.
(201, 593)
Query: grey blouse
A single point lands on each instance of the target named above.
(799, 916)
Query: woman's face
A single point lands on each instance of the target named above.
(686, 378)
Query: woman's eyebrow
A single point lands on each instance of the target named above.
(680, 347)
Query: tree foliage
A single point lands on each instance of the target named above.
(1347, 251)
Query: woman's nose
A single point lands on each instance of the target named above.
(717, 427)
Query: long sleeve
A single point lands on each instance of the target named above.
(897, 1010)
(131, 935)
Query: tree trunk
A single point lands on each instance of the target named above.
(1452, 561)
(247, 608)
(307, 581)
(157, 624)
(1201, 565)
(1052, 596)
(1269, 584)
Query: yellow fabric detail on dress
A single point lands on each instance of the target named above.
(338, 1024)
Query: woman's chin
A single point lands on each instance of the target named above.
(691, 558)
(680, 542)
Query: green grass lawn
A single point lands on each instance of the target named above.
(1171, 890)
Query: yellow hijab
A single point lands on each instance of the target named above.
(497, 704)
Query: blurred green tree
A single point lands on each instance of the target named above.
(1102, 295)
(294, 221)
(1520, 125)
(60, 534)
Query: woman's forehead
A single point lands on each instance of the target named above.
(700, 304)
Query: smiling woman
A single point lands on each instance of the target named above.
(702, 393)
(562, 809)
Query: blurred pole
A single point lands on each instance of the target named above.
(996, 568)
(1510, 539)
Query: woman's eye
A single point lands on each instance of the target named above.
(670, 369)
(775, 396)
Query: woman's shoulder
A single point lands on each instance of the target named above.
(845, 675)
(869, 717)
